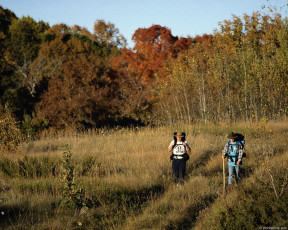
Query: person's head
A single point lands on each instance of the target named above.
(232, 136)
(180, 136)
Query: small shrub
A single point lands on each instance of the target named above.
(10, 134)
(31, 125)
(72, 197)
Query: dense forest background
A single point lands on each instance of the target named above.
(60, 77)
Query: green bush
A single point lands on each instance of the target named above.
(72, 197)
(9, 167)
(31, 125)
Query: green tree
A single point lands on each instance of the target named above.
(25, 39)
(6, 70)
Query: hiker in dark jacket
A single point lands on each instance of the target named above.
(180, 149)
(233, 150)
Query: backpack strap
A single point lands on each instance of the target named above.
(229, 144)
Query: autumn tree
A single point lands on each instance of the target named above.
(183, 96)
(132, 92)
(153, 46)
(139, 70)
(238, 74)
(73, 98)
(79, 94)
(107, 34)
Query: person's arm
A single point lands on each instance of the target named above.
(171, 146)
(225, 151)
(240, 153)
(188, 149)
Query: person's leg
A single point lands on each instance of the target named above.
(230, 174)
(175, 167)
(182, 169)
(237, 174)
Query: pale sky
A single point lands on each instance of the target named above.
(182, 17)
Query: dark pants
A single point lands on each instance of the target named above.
(179, 166)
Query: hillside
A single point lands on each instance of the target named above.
(126, 179)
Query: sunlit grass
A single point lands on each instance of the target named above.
(127, 173)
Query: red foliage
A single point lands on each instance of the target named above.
(153, 47)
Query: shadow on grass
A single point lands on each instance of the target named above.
(114, 206)
(24, 215)
(189, 219)
(194, 164)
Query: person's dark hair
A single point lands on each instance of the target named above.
(183, 138)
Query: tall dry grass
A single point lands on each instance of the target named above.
(127, 174)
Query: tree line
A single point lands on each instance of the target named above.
(67, 77)
(238, 73)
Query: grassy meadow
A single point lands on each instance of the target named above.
(127, 176)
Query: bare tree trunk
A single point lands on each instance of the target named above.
(176, 107)
(245, 88)
(169, 116)
(31, 71)
(200, 102)
(204, 99)
(186, 101)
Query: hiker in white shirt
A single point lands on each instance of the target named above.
(180, 149)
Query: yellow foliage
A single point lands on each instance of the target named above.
(10, 134)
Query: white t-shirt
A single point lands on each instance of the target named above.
(179, 149)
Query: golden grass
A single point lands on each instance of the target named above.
(175, 204)
(120, 166)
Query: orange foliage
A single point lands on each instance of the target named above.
(78, 94)
(153, 47)
(137, 71)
